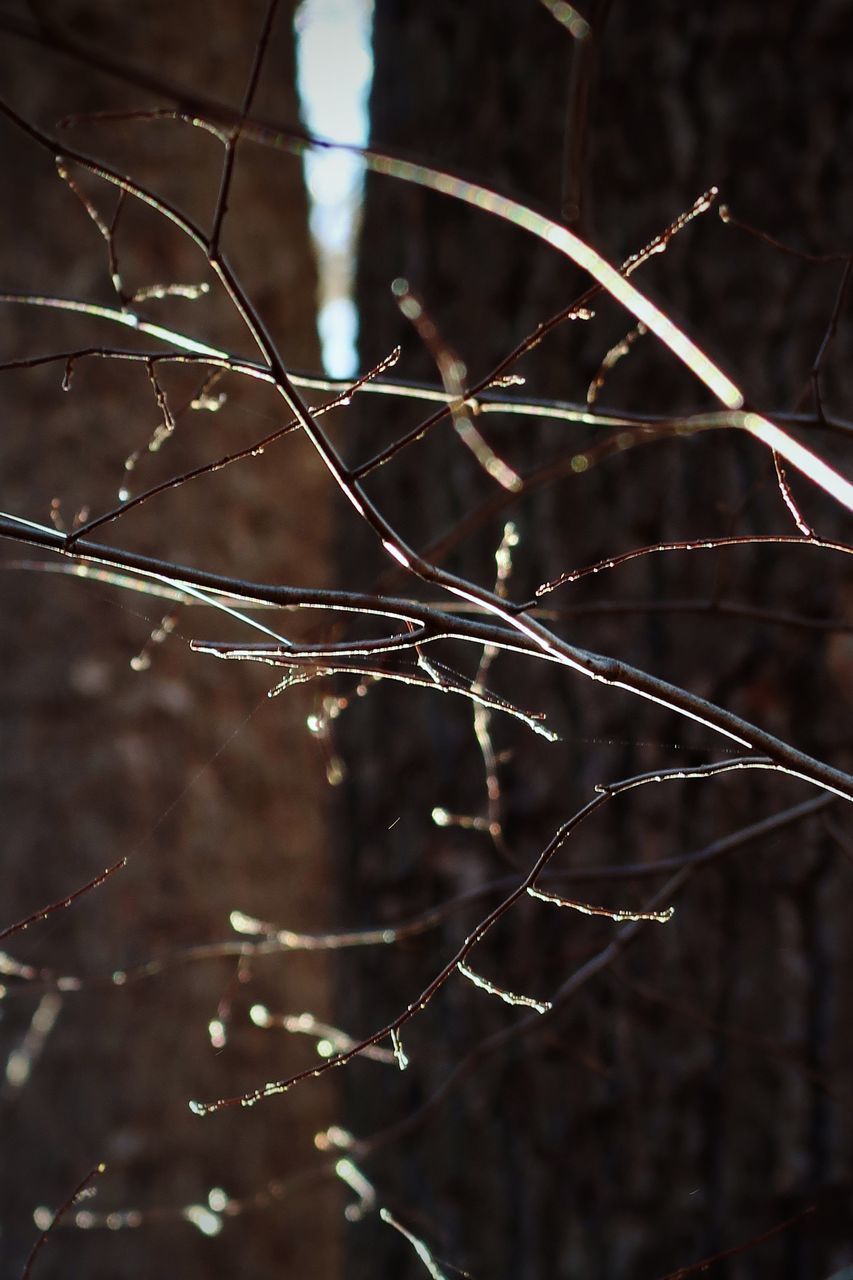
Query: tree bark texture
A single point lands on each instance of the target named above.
(696, 1093)
(215, 794)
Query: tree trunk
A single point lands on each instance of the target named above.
(691, 1097)
(216, 796)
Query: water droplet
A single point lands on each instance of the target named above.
(335, 771)
(209, 1224)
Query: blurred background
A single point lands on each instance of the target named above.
(695, 1093)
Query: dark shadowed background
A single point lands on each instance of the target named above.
(696, 1093)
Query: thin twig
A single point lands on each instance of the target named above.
(44, 912)
(208, 468)
(605, 793)
(106, 230)
(729, 218)
(560, 238)
(831, 330)
(271, 939)
(737, 1249)
(234, 136)
(453, 374)
(598, 963)
(61, 1211)
(483, 401)
(693, 544)
(528, 639)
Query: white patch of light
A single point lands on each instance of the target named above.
(209, 1224)
(334, 60)
(337, 323)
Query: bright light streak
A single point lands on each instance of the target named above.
(812, 466)
(334, 73)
